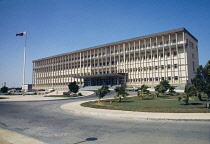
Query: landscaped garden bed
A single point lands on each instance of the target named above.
(164, 103)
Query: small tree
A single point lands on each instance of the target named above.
(73, 87)
(100, 93)
(171, 90)
(4, 89)
(121, 92)
(105, 89)
(143, 91)
(189, 91)
(159, 89)
(165, 85)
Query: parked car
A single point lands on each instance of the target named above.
(131, 88)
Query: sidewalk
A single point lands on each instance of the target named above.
(77, 108)
(8, 137)
(36, 97)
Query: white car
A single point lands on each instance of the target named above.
(131, 88)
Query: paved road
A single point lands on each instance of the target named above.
(45, 121)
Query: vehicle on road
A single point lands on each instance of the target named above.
(131, 88)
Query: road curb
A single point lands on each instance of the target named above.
(76, 107)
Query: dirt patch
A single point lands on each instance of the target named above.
(171, 99)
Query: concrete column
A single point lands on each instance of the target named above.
(105, 59)
(151, 61)
(129, 64)
(90, 63)
(134, 64)
(171, 58)
(114, 60)
(145, 61)
(98, 70)
(124, 65)
(178, 59)
(140, 72)
(185, 57)
(94, 61)
(158, 60)
(164, 60)
(110, 59)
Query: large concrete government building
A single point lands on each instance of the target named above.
(171, 55)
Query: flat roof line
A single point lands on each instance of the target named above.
(123, 41)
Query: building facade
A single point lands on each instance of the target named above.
(171, 55)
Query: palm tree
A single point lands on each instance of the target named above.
(171, 90)
(121, 92)
(189, 91)
(143, 91)
(100, 93)
(159, 89)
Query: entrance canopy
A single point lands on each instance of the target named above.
(104, 79)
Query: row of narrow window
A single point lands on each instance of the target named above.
(132, 58)
(72, 59)
(153, 79)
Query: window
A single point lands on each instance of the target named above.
(193, 66)
(161, 55)
(161, 43)
(156, 79)
(175, 53)
(162, 66)
(169, 66)
(169, 78)
(168, 54)
(162, 78)
(176, 78)
(155, 55)
(175, 65)
(155, 44)
(150, 79)
(193, 56)
(150, 68)
(174, 41)
(156, 67)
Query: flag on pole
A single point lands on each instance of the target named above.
(21, 34)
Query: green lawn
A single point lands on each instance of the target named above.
(163, 103)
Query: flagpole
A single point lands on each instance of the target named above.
(24, 65)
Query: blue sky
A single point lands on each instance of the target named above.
(60, 26)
